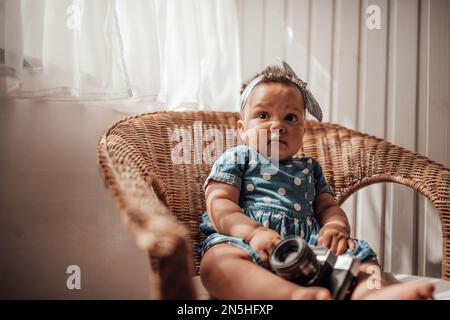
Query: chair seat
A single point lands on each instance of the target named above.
(442, 287)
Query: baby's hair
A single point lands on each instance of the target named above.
(272, 74)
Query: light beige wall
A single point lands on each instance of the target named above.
(54, 210)
(392, 83)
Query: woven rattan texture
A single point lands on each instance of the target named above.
(135, 161)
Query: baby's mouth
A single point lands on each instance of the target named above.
(280, 142)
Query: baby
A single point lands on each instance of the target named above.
(258, 193)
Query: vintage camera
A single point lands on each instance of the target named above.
(294, 260)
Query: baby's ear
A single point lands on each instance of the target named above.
(241, 128)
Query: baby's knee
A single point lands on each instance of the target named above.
(219, 259)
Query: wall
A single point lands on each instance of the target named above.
(54, 210)
(391, 82)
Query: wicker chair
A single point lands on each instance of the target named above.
(161, 202)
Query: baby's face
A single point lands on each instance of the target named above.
(274, 108)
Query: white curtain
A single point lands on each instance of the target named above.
(153, 54)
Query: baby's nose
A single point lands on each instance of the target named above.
(277, 126)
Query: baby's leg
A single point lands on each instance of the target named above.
(372, 285)
(227, 272)
(370, 278)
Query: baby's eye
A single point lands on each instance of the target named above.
(291, 117)
(263, 115)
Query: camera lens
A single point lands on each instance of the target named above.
(294, 260)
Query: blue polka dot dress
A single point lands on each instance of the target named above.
(279, 197)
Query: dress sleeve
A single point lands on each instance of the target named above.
(321, 184)
(229, 167)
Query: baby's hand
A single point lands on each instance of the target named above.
(336, 238)
(262, 240)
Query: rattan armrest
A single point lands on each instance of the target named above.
(356, 160)
(154, 228)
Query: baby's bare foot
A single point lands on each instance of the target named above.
(402, 291)
(312, 293)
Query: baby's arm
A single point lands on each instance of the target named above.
(224, 212)
(227, 218)
(335, 229)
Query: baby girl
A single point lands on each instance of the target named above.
(260, 192)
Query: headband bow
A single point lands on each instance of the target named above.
(310, 103)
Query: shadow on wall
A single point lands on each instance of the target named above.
(55, 211)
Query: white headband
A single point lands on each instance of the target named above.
(310, 103)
